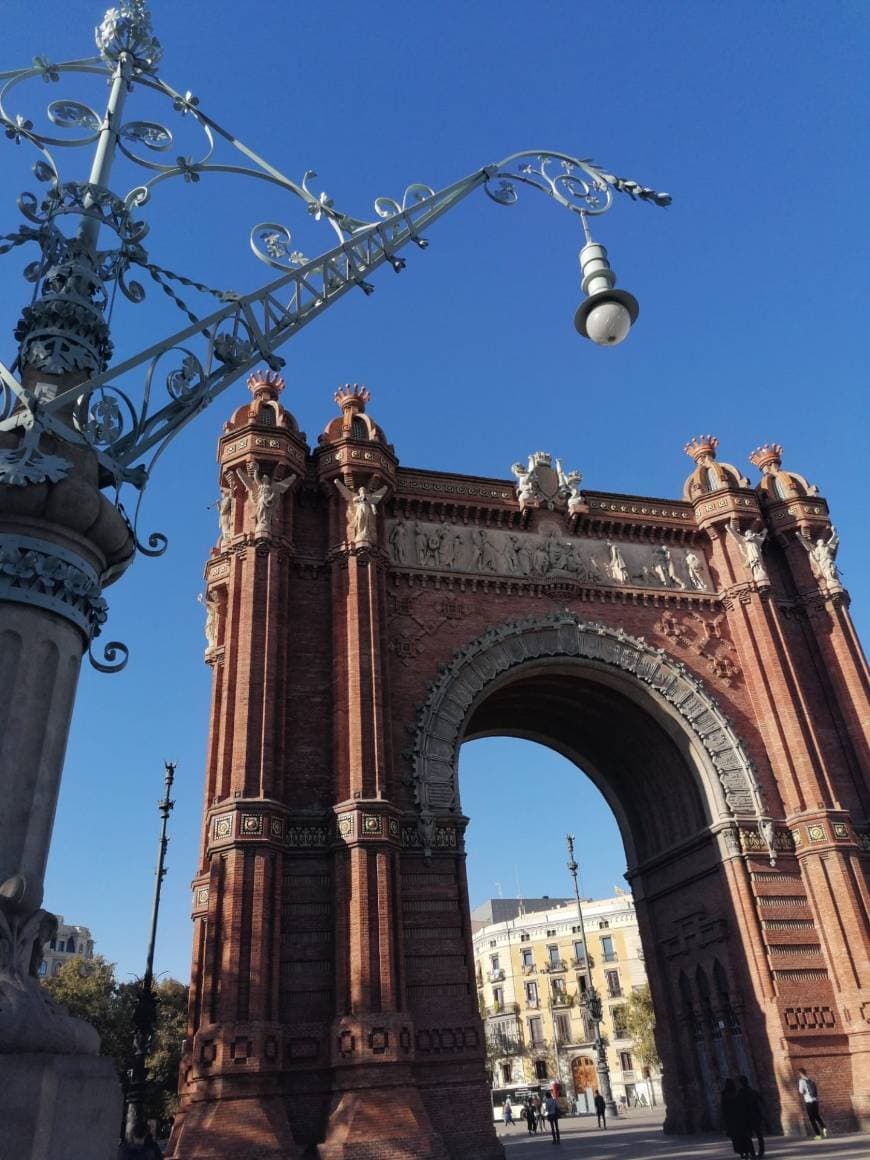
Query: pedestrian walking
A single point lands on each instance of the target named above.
(600, 1110)
(531, 1118)
(735, 1122)
(551, 1109)
(752, 1109)
(507, 1112)
(540, 1110)
(810, 1095)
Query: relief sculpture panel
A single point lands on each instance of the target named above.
(478, 551)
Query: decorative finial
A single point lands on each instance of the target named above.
(700, 446)
(265, 384)
(127, 29)
(352, 398)
(766, 456)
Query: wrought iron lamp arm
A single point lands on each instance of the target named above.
(250, 328)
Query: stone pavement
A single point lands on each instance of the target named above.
(638, 1136)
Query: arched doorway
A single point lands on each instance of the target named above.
(678, 782)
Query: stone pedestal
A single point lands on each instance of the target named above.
(55, 1106)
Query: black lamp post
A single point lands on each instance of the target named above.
(145, 1013)
(591, 999)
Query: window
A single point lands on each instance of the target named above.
(607, 950)
(553, 956)
(620, 1027)
(625, 1061)
(528, 957)
(563, 1028)
(493, 942)
(507, 1073)
(494, 962)
(581, 983)
(525, 937)
(358, 429)
(551, 934)
(578, 951)
(70, 945)
(613, 988)
(531, 992)
(43, 969)
(604, 924)
(498, 996)
(536, 1031)
(540, 1069)
(576, 930)
(558, 988)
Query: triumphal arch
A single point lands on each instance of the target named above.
(694, 656)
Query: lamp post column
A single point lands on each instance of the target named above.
(592, 1001)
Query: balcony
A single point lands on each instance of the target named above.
(609, 956)
(533, 1004)
(621, 1033)
(502, 1009)
(561, 999)
(555, 965)
(615, 991)
(496, 975)
(529, 968)
(579, 964)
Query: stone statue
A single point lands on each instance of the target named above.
(823, 554)
(225, 512)
(616, 565)
(210, 603)
(569, 485)
(362, 508)
(749, 544)
(419, 543)
(693, 570)
(264, 492)
(663, 568)
(399, 542)
(526, 488)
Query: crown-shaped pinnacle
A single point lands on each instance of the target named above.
(701, 445)
(767, 455)
(352, 397)
(268, 383)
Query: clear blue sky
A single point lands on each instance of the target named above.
(753, 290)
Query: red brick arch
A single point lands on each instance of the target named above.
(659, 683)
(710, 684)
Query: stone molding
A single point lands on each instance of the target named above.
(41, 573)
(451, 697)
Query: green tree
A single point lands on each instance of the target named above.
(89, 990)
(640, 1022)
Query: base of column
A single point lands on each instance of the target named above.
(381, 1123)
(252, 1128)
(59, 1105)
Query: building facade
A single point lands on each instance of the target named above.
(69, 941)
(695, 656)
(531, 979)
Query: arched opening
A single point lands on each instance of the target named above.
(676, 779)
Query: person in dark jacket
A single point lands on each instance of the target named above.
(752, 1109)
(551, 1110)
(531, 1117)
(600, 1110)
(735, 1121)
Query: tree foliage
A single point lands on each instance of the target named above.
(640, 1021)
(88, 989)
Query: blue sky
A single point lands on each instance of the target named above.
(753, 290)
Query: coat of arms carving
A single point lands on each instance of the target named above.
(541, 485)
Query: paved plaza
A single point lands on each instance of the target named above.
(637, 1135)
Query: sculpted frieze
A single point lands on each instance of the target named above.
(446, 547)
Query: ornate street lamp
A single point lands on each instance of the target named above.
(591, 999)
(75, 429)
(145, 1013)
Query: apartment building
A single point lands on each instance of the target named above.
(531, 978)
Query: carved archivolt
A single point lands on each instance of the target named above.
(442, 717)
